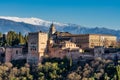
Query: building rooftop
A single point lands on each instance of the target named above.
(77, 35)
(36, 32)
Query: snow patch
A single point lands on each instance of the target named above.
(33, 21)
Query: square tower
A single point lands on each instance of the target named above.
(37, 46)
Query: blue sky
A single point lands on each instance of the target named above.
(90, 13)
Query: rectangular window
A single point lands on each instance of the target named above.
(16, 51)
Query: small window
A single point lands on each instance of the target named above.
(16, 51)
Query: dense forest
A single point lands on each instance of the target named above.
(12, 38)
(61, 69)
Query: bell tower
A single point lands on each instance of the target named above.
(52, 30)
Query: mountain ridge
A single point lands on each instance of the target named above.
(32, 20)
(25, 27)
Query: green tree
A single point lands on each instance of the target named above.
(118, 71)
(106, 77)
(22, 39)
(14, 38)
(73, 76)
(11, 36)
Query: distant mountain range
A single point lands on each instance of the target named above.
(25, 25)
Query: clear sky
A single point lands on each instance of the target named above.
(90, 13)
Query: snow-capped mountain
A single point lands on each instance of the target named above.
(33, 21)
(25, 25)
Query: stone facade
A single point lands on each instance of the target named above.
(67, 49)
(68, 44)
(83, 40)
(60, 44)
(92, 40)
(14, 53)
(37, 46)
